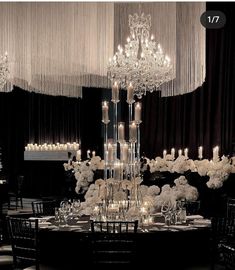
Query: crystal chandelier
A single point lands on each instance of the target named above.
(4, 71)
(142, 62)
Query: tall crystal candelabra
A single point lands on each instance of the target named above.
(122, 151)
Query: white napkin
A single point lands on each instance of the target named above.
(194, 217)
(202, 221)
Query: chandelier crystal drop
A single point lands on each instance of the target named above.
(4, 70)
(142, 61)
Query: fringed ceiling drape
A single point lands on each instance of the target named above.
(56, 48)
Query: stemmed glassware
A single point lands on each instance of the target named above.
(167, 211)
(76, 207)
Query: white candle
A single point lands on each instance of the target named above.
(137, 112)
(124, 152)
(117, 171)
(216, 154)
(88, 153)
(93, 153)
(133, 132)
(173, 153)
(78, 156)
(164, 154)
(110, 152)
(115, 93)
(186, 152)
(200, 151)
(130, 94)
(179, 152)
(105, 112)
(121, 132)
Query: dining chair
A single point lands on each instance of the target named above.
(25, 244)
(228, 251)
(222, 232)
(43, 208)
(16, 195)
(230, 207)
(113, 242)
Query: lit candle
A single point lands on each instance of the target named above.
(186, 153)
(133, 132)
(121, 132)
(93, 153)
(88, 153)
(115, 93)
(110, 152)
(117, 171)
(137, 112)
(200, 151)
(179, 152)
(216, 154)
(173, 153)
(130, 94)
(78, 156)
(164, 154)
(124, 152)
(105, 112)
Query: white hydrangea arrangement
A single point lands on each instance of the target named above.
(84, 172)
(151, 196)
(217, 170)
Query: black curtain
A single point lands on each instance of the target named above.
(205, 116)
(34, 118)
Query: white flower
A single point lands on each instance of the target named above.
(100, 182)
(153, 190)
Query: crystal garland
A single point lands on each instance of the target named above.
(142, 62)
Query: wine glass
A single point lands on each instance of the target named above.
(166, 210)
(76, 207)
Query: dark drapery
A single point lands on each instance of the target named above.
(33, 118)
(204, 117)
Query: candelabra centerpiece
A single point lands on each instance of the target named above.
(141, 62)
(122, 151)
(4, 70)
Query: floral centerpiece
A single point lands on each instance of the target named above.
(97, 191)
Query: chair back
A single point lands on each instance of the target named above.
(43, 208)
(24, 241)
(223, 229)
(20, 182)
(230, 208)
(113, 242)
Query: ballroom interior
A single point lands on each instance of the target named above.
(117, 139)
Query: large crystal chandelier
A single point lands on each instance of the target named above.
(4, 71)
(142, 62)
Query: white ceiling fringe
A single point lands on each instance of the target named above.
(56, 48)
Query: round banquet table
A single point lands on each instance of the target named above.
(173, 247)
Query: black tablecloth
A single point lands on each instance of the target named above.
(69, 248)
